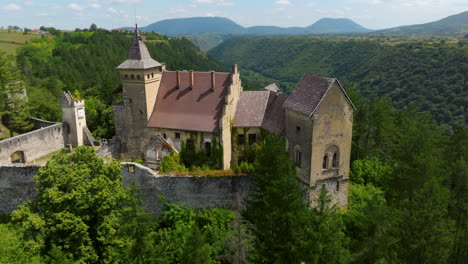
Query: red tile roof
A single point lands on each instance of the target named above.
(308, 93)
(192, 109)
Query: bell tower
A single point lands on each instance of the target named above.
(140, 76)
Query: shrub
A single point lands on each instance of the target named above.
(244, 168)
(171, 163)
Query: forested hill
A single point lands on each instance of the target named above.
(455, 25)
(431, 75)
(86, 62)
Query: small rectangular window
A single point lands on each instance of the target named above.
(177, 135)
(338, 186)
(131, 168)
(252, 138)
(190, 144)
(241, 139)
(298, 129)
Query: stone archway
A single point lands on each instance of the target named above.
(18, 157)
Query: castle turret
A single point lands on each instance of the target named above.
(74, 119)
(140, 77)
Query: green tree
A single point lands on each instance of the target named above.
(80, 199)
(14, 110)
(276, 206)
(457, 155)
(93, 27)
(14, 250)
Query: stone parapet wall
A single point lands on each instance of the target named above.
(16, 186)
(34, 144)
(196, 192)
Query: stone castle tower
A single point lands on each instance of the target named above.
(140, 76)
(319, 136)
(76, 132)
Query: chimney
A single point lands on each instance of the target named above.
(178, 79)
(191, 79)
(234, 69)
(213, 81)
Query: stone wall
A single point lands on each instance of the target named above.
(16, 186)
(196, 192)
(34, 144)
(111, 149)
(337, 188)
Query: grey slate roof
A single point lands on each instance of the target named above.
(261, 109)
(275, 115)
(308, 93)
(251, 108)
(138, 55)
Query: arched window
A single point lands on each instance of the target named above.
(132, 77)
(297, 156)
(152, 75)
(147, 76)
(335, 160)
(325, 161)
(126, 76)
(138, 77)
(332, 152)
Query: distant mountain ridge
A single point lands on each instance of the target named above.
(455, 25)
(201, 25)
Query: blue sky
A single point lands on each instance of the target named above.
(374, 14)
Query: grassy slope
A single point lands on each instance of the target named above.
(9, 42)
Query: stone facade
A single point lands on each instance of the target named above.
(32, 145)
(17, 186)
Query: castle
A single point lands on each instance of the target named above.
(165, 110)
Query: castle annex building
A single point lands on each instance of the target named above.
(165, 110)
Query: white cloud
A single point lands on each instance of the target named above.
(28, 3)
(12, 7)
(114, 11)
(124, 1)
(283, 2)
(173, 10)
(75, 7)
(95, 5)
(217, 2)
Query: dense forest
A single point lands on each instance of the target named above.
(85, 62)
(429, 73)
(408, 203)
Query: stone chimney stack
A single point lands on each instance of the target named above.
(213, 80)
(178, 79)
(191, 79)
(235, 69)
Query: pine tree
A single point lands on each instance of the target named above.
(277, 207)
(14, 111)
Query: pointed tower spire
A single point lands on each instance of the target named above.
(138, 55)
